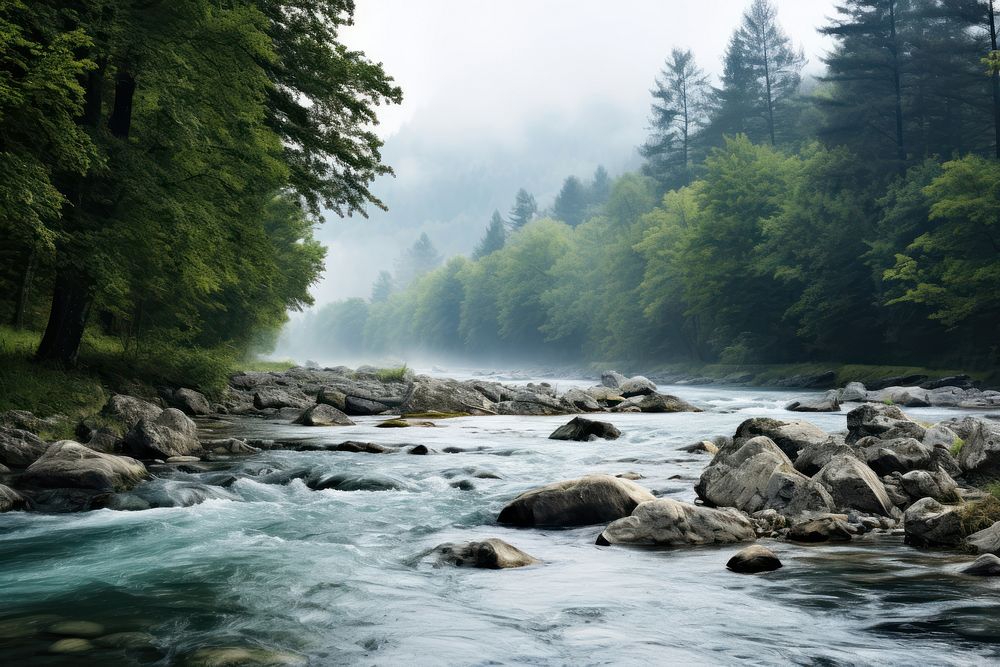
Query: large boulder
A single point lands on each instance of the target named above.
(277, 397)
(790, 436)
(828, 402)
(897, 455)
(929, 523)
(813, 457)
(827, 528)
(986, 541)
(874, 419)
(938, 485)
(582, 400)
(754, 475)
(322, 414)
(987, 565)
(940, 435)
(577, 502)
(490, 554)
(637, 386)
(980, 455)
(19, 448)
(854, 392)
(671, 523)
(910, 397)
(853, 485)
(612, 379)
(432, 394)
(582, 430)
(129, 411)
(754, 559)
(170, 434)
(10, 499)
(654, 403)
(190, 402)
(70, 465)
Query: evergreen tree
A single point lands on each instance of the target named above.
(571, 202)
(494, 238)
(420, 258)
(678, 111)
(600, 186)
(523, 211)
(383, 287)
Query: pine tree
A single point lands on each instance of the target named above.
(383, 287)
(600, 186)
(420, 258)
(494, 238)
(523, 211)
(571, 202)
(678, 111)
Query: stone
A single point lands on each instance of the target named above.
(605, 395)
(70, 646)
(854, 392)
(172, 433)
(229, 446)
(242, 656)
(655, 403)
(853, 485)
(68, 464)
(190, 402)
(637, 386)
(830, 528)
(77, 629)
(356, 406)
(332, 397)
(612, 379)
(938, 485)
(19, 448)
(490, 554)
(980, 455)
(419, 450)
(363, 447)
(754, 559)
(873, 419)
(578, 502)
(929, 523)
(671, 523)
(582, 400)
(322, 414)
(940, 435)
(986, 541)
(430, 393)
(129, 411)
(828, 402)
(274, 397)
(10, 499)
(987, 565)
(583, 430)
(897, 455)
(703, 447)
(790, 436)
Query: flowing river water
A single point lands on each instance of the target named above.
(336, 576)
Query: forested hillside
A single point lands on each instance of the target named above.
(849, 218)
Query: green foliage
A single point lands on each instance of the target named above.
(523, 211)
(398, 374)
(980, 514)
(494, 239)
(956, 447)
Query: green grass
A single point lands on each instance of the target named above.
(397, 374)
(956, 446)
(981, 514)
(265, 366)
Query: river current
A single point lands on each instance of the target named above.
(337, 578)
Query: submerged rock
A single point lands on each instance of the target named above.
(754, 559)
(987, 565)
(490, 554)
(577, 502)
(322, 414)
(242, 656)
(68, 464)
(582, 430)
(671, 523)
(363, 447)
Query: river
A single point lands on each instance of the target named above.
(335, 576)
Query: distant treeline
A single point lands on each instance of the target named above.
(853, 219)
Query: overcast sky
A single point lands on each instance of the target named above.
(511, 93)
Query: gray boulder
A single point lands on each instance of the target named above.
(874, 419)
(490, 554)
(897, 455)
(828, 402)
(332, 397)
(854, 392)
(191, 402)
(987, 565)
(19, 448)
(853, 485)
(170, 434)
(612, 379)
(322, 414)
(582, 400)
(129, 410)
(68, 464)
(940, 435)
(790, 436)
(605, 395)
(813, 457)
(358, 406)
(986, 541)
(578, 502)
(671, 523)
(829, 528)
(637, 386)
(432, 394)
(929, 523)
(276, 397)
(938, 485)
(754, 559)
(582, 430)
(980, 455)
(754, 475)
(654, 403)
(910, 397)
(10, 499)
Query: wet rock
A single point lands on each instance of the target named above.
(704, 446)
(987, 565)
(637, 386)
(20, 448)
(656, 403)
(897, 455)
(830, 528)
(242, 656)
(578, 502)
(938, 485)
(419, 450)
(68, 464)
(986, 541)
(530, 405)
(670, 523)
(790, 436)
(632, 476)
(322, 414)
(274, 397)
(71, 646)
(929, 523)
(490, 554)
(828, 402)
(605, 395)
(356, 406)
(171, 493)
(172, 433)
(583, 430)
(363, 447)
(10, 500)
(957, 381)
(582, 400)
(463, 485)
(813, 457)
(873, 419)
(854, 392)
(612, 379)
(230, 447)
(126, 640)
(190, 402)
(332, 397)
(77, 629)
(445, 396)
(755, 474)
(319, 481)
(980, 455)
(754, 559)
(853, 485)
(129, 411)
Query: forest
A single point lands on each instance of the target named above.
(849, 217)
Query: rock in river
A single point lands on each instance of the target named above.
(170, 434)
(753, 559)
(68, 464)
(577, 502)
(490, 554)
(853, 485)
(671, 523)
(828, 402)
(790, 436)
(10, 499)
(582, 430)
(986, 565)
(20, 448)
(322, 414)
(929, 523)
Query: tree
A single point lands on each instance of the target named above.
(678, 111)
(420, 258)
(494, 238)
(383, 287)
(523, 211)
(600, 186)
(571, 202)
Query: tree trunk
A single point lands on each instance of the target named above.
(24, 293)
(120, 121)
(71, 301)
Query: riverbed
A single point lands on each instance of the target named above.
(337, 577)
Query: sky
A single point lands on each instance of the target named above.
(515, 93)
